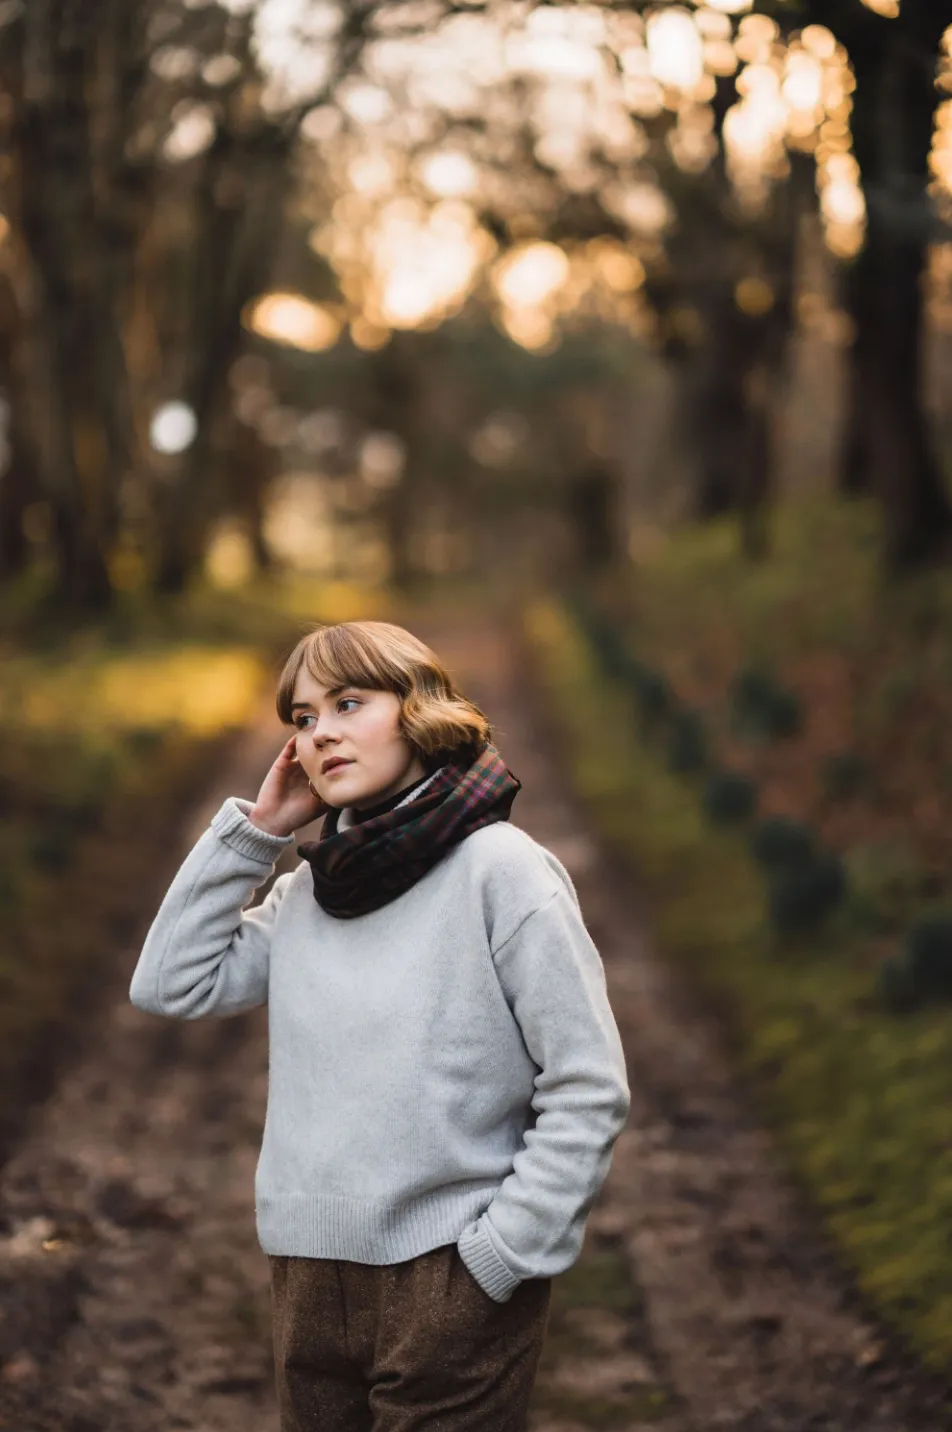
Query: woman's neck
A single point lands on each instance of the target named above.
(361, 813)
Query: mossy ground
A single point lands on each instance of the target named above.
(860, 1100)
(110, 730)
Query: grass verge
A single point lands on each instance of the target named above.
(859, 1101)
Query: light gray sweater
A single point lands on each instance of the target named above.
(444, 1069)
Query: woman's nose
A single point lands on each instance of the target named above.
(323, 732)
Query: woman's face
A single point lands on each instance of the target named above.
(359, 729)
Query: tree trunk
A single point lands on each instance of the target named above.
(888, 445)
(734, 367)
(16, 493)
(856, 456)
(393, 403)
(237, 231)
(18, 484)
(593, 508)
(78, 365)
(717, 423)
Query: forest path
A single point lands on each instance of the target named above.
(134, 1296)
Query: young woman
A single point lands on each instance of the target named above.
(446, 1078)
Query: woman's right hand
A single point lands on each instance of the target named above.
(285, 801)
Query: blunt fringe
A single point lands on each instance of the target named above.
(437, 720)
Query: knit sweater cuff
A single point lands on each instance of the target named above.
(231, 824)
(485, 1264)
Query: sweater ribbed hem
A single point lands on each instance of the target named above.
(485, 1264)
(231, 824)
(365, 1231)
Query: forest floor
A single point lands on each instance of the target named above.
(134, 1296)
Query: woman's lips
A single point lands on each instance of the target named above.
(338, 766)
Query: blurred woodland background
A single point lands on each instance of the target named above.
(631, 320)
(391, 289)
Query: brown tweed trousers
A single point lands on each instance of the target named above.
(416, 1346)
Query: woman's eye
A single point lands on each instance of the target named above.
(345, 699)
(299, 723)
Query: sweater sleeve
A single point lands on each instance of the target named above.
(205, 954)
(554, 982)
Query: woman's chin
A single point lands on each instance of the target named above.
(343, 793)
(350, 789)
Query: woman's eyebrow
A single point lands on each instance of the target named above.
(333, 691)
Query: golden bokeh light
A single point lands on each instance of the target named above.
(529, 327)
(713, 24)
(400, 262)
(819, 41)
(754, 296)
(619, 269)
(675, 48)
(730, 7)
(292, 319)
(402, 233)
(424, 261)
(754, 133)
(802, 88)
(448, 174)
(643, 206)
(530, 275)
(372, 173)
(368, 336)
(720, 57)
(940, 158)
(762, 29)
(692, 142)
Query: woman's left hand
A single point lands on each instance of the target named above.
(285, 801)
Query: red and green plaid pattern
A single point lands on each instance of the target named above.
(360, 869)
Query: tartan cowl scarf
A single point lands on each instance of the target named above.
(369, 864)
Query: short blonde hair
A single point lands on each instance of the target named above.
(436, 719)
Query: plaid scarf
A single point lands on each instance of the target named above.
(369, 864)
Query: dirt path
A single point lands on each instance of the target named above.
(133, 1294)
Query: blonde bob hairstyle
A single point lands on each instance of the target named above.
(436, 719)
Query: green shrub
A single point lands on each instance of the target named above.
(610, 648)
(897, 988)
(653, 695)
(759, 708)
(778, 841)
(799, 896)
(687, 748)
(786, 716)
(54, 845)
(637, 673)
(652, 691)
(928, 954)
(921, 971)
(728, 796)
(607, 640)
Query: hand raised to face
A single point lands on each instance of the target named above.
(285, 801)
